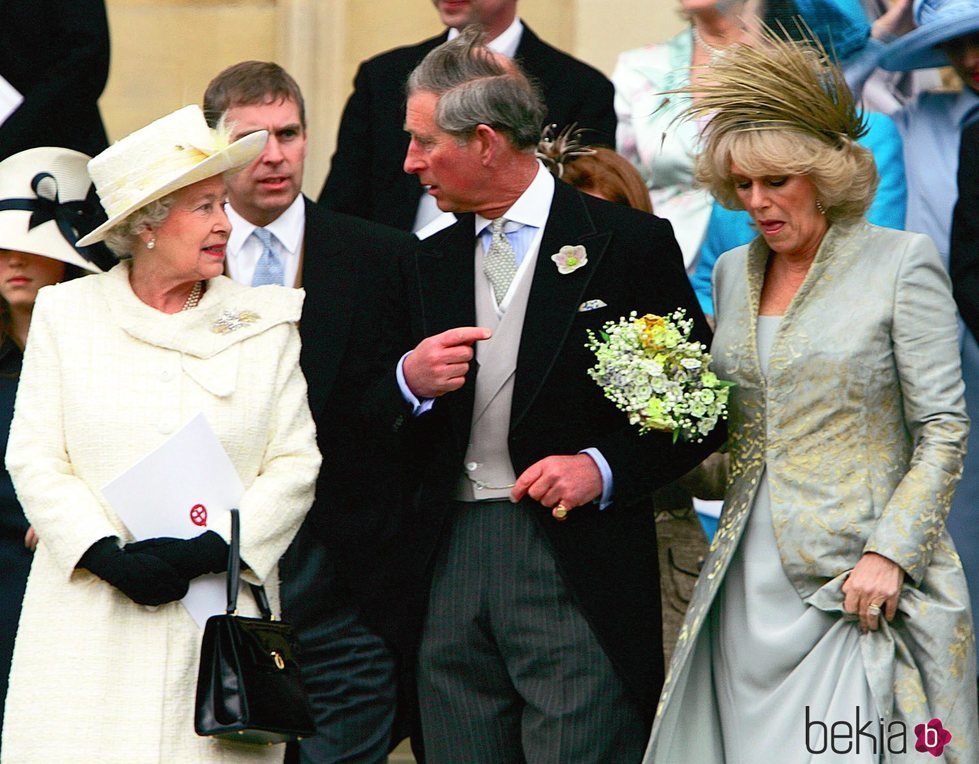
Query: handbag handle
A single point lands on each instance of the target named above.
(234, 574)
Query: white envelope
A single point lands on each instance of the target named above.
(181, 489)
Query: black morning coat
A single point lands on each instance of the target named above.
(607, 558)
(366, 176)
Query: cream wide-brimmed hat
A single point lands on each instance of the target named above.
(171, 153)
(42, 203)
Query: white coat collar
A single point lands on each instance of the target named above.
(227, 314)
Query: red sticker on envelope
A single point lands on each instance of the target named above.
(198, 515)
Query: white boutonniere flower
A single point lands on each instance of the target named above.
(569, 259)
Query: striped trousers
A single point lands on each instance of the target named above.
(509, 669)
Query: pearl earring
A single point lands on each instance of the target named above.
(819, 206)
(151, 244)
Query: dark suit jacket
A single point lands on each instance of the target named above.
(366, 176)
(349, 271)
(56, 53)
(964, 256)
(608, 558)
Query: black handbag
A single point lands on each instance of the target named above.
(249, 687)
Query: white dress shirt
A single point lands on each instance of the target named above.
(244, 250)
(506, 42)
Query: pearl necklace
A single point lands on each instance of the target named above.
(194, 297)
(714, 50)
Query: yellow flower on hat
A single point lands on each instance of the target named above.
(164, 156)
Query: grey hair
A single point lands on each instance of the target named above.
(474, 88)
(121, 238)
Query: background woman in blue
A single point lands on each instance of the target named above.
(34, 184)
(841, 28)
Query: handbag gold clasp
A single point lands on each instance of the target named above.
(277, 657)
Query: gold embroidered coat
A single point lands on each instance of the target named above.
(861, 426)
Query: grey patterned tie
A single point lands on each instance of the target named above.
(270, 269)
(500, 261)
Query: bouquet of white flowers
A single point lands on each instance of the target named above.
(648, 367)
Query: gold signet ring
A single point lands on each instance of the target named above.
(560, 512)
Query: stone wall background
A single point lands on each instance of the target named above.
(164, 52)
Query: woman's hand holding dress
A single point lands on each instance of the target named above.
(874, 580)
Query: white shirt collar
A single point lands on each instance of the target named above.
(288, 227)
(507, 42)
(532, 206)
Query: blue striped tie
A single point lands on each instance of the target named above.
(270, 268)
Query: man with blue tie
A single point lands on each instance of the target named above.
(270, 268)
(344, 264)
(529, 562)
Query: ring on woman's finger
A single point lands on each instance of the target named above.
(873, 609)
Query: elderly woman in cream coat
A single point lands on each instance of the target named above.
(832, 598)
(106, 658)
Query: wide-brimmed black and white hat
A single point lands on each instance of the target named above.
(171, 153)
(938, 21)
(43, 207)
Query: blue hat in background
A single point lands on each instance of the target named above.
(938, 21)
(841, 26)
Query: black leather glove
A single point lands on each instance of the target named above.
(144, 578)
(207, 553)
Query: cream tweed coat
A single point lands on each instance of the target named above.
(106, 378)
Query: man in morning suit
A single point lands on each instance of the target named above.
(56, 55)
(537, 606)
(366, 178)
(344, 265)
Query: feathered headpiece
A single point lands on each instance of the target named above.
(556, 151)
(777, 84)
